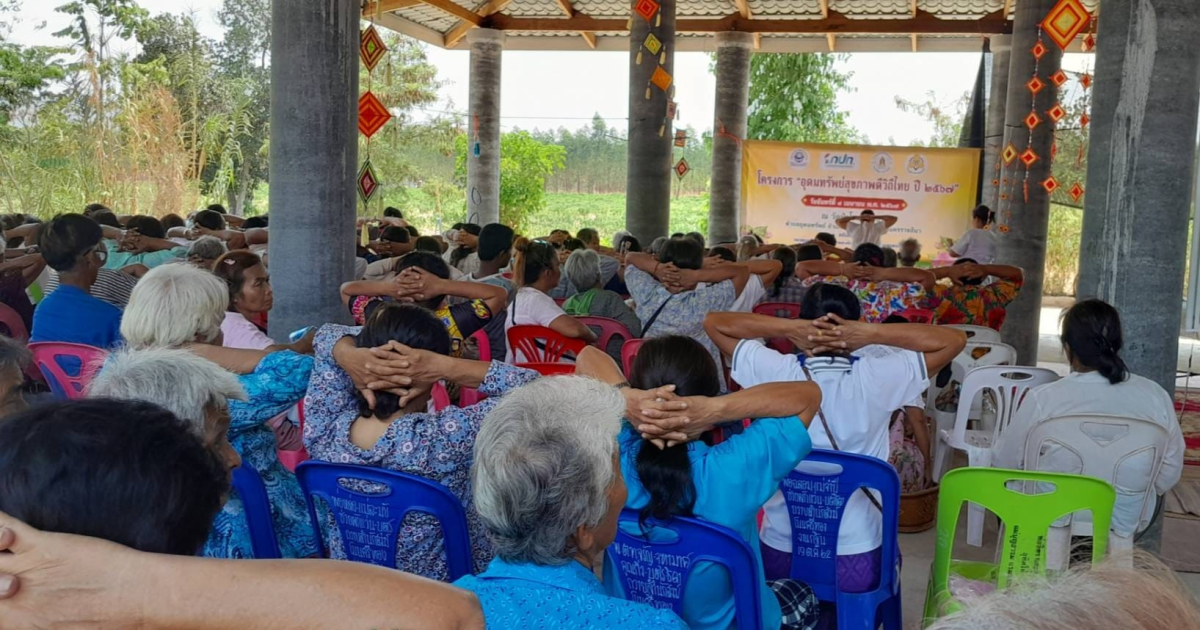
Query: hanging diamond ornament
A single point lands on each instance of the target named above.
(1032, 120)
(1076, 192)
(372, 115)
(368, 183)
(1050, 184)
(1084, 120)
(1039, 50)
(1089, 43)
(680, 138)
(682, 168)
(1065, 22)
(1059, 78)
(1086, 81)
(1057, 112)
(652, 44)
(371, 48)
(646, 8)
(661, 79)
(1035, 85)
(1010, 154)
(1028, 157)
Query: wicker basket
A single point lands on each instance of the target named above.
(918, 510)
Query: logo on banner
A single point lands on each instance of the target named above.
(798, 159)
(882, 162)
(916, 164)
(842, 161)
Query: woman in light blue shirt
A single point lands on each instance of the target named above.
(725, 484)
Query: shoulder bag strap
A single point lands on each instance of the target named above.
(833, 440)
(654, 317)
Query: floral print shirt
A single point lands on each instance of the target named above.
(278, 383)
(984, 305)
(436, 446)
(879, 300)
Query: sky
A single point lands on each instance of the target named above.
(565, 89)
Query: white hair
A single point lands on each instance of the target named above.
(1145, 596)
(174, 305)
(207, 248)
(543, 465)
(583, 269)
(177, 380)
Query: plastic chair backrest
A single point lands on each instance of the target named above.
(484, 344)
(538, 344)
(921, 316)
(257, 507)
(560, 301)
(629, 353)
(549, 369)
(46, 356)
(1027, 517)
(1008, 384)
(16, 326)
(609, 328)
(1102, 443)
(787, 310)
(440, 396)
(978, 333)
(816, 494)
(373, 520)
(660, 570)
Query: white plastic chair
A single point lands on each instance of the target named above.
(998, 354)
(977, 333)
(1008, 386)
(1102, 443)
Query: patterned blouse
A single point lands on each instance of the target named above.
(435, 445)
(462, 319)
(878, 300)
(278, 383)
(985, 305)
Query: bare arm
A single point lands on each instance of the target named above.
(31, 266)
(809, 268)
(112, 586)
(29, 232)
(766, 270)
(828, 249)
(844, 222)
(1005, 272)
(354, 288)
(234, 220)
(568, 326)
(727, 329)
(904, 274)
(257, 236)
(939, 344)
(887, 219)
(236, 360)
(739, 273)
(421, 284)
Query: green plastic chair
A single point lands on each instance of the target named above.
(1026, 517)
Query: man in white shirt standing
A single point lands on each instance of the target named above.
(866, 227)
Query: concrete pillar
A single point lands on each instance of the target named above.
(648, 183)
(1135, 219)
(993, 141)
(733, 93)
(314, 159)
(1025, 243)
(483, 131)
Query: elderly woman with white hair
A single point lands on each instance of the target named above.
(205, 251)
(196, 390)
(548, 488)
(180, 306)
(582, 271)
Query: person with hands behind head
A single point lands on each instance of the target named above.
(859, 396)
(669, 296)
(866, 227)
(967, 300)
(536, 272)
(144, 242)
(368, 404)
(881, 291)
(423, 278)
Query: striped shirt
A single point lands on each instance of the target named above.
(111, 286)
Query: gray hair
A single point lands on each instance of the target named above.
(173, 305)
(656, 246)
(746, 246)
(583, 269)
(177, 380)
(207, 247)
(543, 466)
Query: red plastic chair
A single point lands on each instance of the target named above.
(46, 356)
(918, 315)
(549, 369)
(468, 396)
(292, 459)
(16, 325)
(786, 310)
(629, 353)
(560, 301)
(441, 397)
(609, 328)
(538, 344)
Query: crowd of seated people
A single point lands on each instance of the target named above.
(705, 422)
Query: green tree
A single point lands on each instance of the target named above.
(793, 97)
(525, 165)
(947, 119)
(27, 74)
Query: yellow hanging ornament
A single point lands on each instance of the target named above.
(366, 236)
(662, 130)
(658, 20)
(639, 58)
(647, 93)
(662, 59)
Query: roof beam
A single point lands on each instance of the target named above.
(385, 6)
(824, 9)
(837, 24)
(912, 5)
(914, 42)
(454, 35)
(832, 40)
(456, 10)
(570, 12)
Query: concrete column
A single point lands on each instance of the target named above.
(1139, 182)
(483, 129)
(1025, 243)
(733, 93)
(314, 159)
(993, 140)
(648, 183)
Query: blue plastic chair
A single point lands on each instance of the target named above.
(662, 584)
(816, 500)
(257, 506)
(369, 522)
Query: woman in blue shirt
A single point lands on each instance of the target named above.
(71, 245)
(726, 483)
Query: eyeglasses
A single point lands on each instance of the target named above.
(101, 253)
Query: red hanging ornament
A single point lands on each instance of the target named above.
(1032, 120)
(1028, 157)
(1084, 120)
(1076, 192)
(1039, 50)
(1065, 22)
(1089, 43)
(1050, 184)
(1035, 85)
(1086, 81)
(1059, 78)
(1057, 112)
